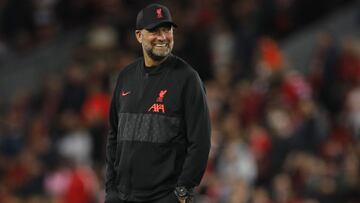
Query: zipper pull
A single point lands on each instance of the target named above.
(146, 75)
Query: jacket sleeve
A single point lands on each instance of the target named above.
(197, 128)
(111, 141)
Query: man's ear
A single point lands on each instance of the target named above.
(138, 36)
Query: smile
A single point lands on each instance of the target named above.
(161, 45)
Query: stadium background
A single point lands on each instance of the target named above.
(282, 79)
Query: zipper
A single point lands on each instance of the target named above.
(141, 95)
(130, 171)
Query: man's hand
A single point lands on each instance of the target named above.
(181, 200)
(184, 194)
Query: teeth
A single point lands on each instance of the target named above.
(160, 45)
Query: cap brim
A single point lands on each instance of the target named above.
(157, 24)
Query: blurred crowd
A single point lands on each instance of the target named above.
(279, 135)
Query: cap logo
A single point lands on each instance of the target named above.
(159, 13)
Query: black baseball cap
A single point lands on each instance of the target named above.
(152, 16)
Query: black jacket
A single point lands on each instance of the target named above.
(159, 131)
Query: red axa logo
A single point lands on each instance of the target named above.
(161, 96)
(159, 13)
(157, 108)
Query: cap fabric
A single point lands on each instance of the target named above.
(152, 16)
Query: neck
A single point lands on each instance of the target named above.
(149, 62)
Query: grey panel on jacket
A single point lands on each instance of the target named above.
(155, 128)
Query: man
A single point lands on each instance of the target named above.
(159, 138)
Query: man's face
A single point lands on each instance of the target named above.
(158, 42)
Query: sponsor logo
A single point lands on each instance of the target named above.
(159, 107)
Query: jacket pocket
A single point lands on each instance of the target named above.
(153, 166)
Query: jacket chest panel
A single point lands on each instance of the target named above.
(152, 96)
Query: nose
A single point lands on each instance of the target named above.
(161, 35)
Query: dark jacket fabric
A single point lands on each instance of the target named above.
(159, 134)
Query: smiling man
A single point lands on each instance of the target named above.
(159, 138)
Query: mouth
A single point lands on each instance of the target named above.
(160, 45)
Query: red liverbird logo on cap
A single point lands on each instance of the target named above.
(159, 13)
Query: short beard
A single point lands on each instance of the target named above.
(154, 56)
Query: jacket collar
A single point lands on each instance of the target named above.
(161, 67)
